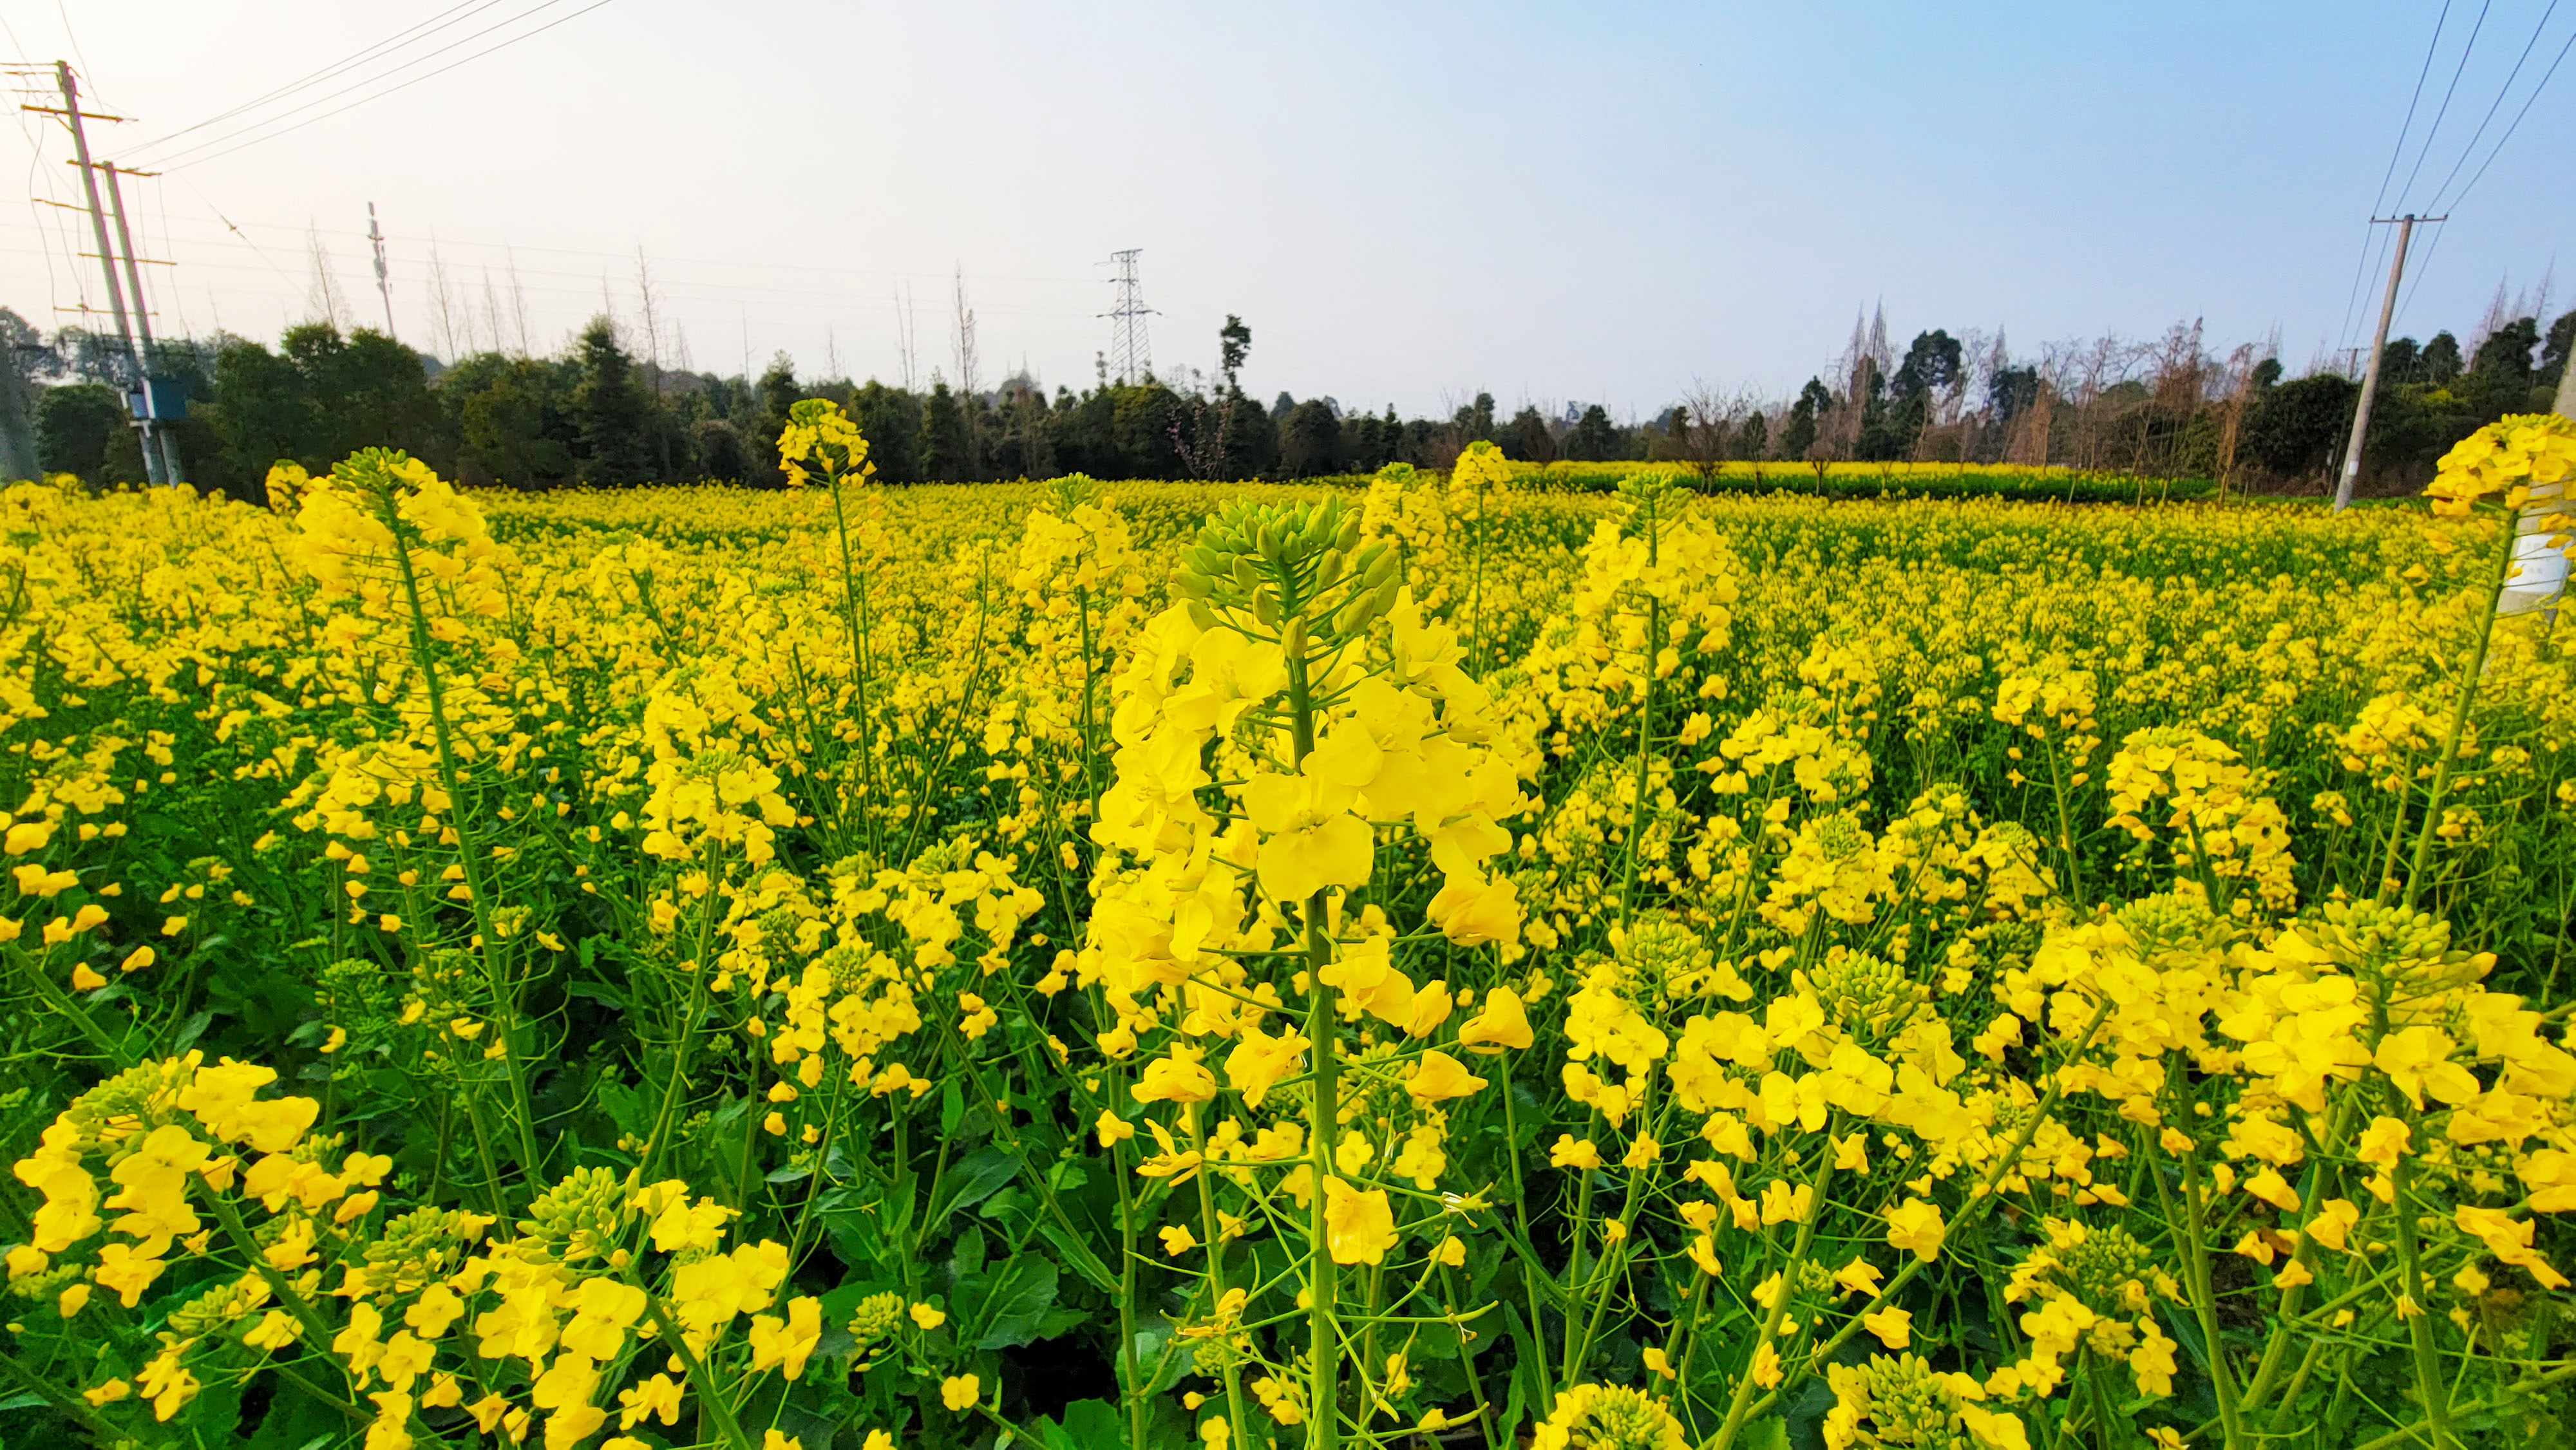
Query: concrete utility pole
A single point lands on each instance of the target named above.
(72, 115)
(384, 288)
(2378, 344)
(2540, 576)
(169, 443)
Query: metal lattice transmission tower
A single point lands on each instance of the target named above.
(1131, 350)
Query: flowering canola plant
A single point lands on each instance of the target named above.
(1250, 966)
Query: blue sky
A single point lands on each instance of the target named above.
(1407, 203)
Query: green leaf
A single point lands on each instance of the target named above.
(628, 1108)
(972, 1179)
(1078, 1255)
(854, 1224)
(1007, 1306)
(601, 992)
(1094, 1426)
(1768, 1433)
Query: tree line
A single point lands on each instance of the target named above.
(598, 415)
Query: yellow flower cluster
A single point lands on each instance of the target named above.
(749, 962)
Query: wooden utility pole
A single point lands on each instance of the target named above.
(2378, 345)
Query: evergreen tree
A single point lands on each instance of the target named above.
(24, 358)
(2439, 363)
(1592, 439)
(1251, 439)
(1475, 422)
(319, 398)
(2499, 377)
(73, 426)
(610, 412)
(1141, 419)
(940, 454)
(1310, 445)
(721, 459)
(1753, 440)
(514, 420)
(777, 392)
(2297, 427)
(1528, 438)
(2553, 350)
(1798, 436)
(890, 419)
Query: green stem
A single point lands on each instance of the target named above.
(1323, 1114)
(854, 610)
(2065, 824)
(710, 1395)
(1132, 1388)
(1214, 1247)
(61, 1001)
(71, 1405)
(1520, 1209)
(2204, 1306)
(2101, 1395)
(1980, 1203)
(684, 1035)
(1742, 1404)
(504, 995)
(2419, 1326)
(2460, 713)
(1645, 757)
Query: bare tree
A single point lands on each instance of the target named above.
(519, 306)
(442, 296)
(904, 336)
(2180, 372)
(650, 304)
(2033, 435)
(1708, 423)
(325, 301)
(491, 312)
(967, 399)
(2082, 373)
(2238, 376)
(1838, 431)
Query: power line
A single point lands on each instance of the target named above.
(2501, 92)
(676, 289)
(237, 228)
(328, 71)
(2370, 234)
(2517, 119)
(388, 90)
(2436, 128)
(2439, 232)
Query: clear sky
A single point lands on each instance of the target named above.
(1407, 203)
